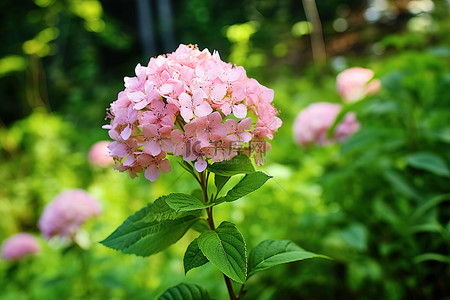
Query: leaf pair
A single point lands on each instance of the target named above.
(226, 249)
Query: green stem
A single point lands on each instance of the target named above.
(241, 291)
(203, 178)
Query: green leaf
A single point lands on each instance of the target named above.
(151, 229)
(431, 257)
(399, 183)
(187, 166)
(434, 202)
(185, 291)
(248, 184)
(239, 164)
(201, 226)
(198, 194)
(185, 202)
(193, 258)
(429, 162)
(270, 253)
(225, 248)
(220, 181)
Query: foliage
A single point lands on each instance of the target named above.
(377, 204)
(164, 222)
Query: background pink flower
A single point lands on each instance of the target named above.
(356, 83)
(19, 245)
(99, 154)
(67, 212)
(312, 124)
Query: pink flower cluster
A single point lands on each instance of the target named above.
(312, 124)
(67, 212)
(356, 83)
(99, 154)
(19, 245)
(191, 104)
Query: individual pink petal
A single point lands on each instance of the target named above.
(177, 136)
(218, 91)
(114, 134)
(164, 165)
(190, 130)
(266, 94)
(145, 159)
(233, 74)
(126, 133)
(186, 114)
(202, 109)
(215, 118)
(245, 124)
(186, 106)
(198, 95)
(245, 136)
(238, 93)
(136, 96)
(118, 149)
(152, 147)
(129, 161)
(200, 165)
(240, 111)
(226, 108)
(141, 105)
(231, 125)
(167, 145)
(150, 130)
(204, 138)
(152, 173)
(218, 132)
(166, 89)
(179, 149)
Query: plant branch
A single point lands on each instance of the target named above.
(317, 43)
(241, 291)
(204, 176)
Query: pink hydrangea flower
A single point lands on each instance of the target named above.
(99, 154)
(19, 245)
(191, 104)
(356, 83)
(312, 124)
(67, 212)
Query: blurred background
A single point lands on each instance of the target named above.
(377, 203)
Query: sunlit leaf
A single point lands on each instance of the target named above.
(239, 164)
(185, 291)
(270, 253)
(430, 162)
(225, 248)
(151, 229)
(185, 202)
(248, 184)
(193, 258)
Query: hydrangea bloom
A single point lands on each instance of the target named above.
(312, 124)
(19, 245)
(355, 83)
(99, 154)
(188, 103)
(67, 212)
